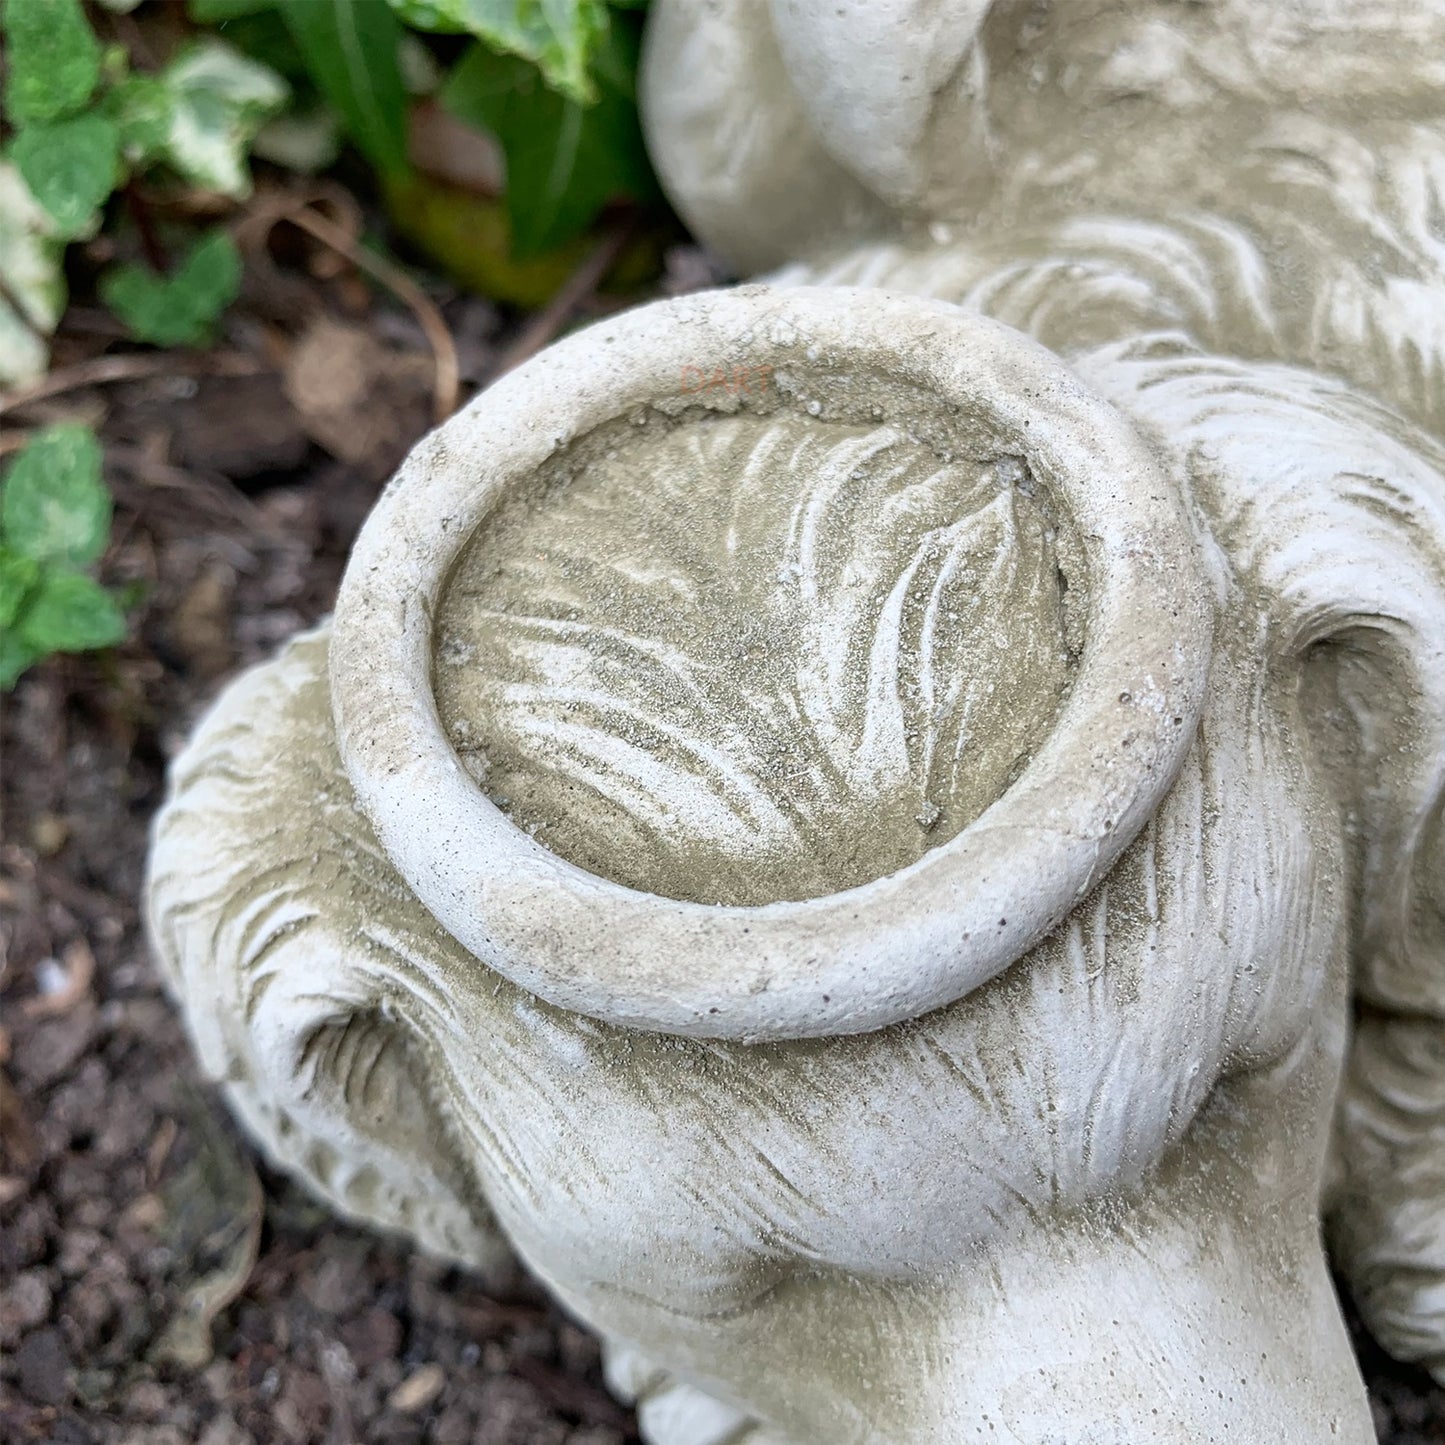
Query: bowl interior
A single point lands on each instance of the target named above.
(756, 655)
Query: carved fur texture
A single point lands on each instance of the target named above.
(1105, 1168)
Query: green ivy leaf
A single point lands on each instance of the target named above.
(15, 656)
(559, 37)
(18, 575)
(71, 167)
(24, 356)
(182, 308)
(52, 59)
(70, 612)
(351, 50)
(54, 508)
(565, 161)
(142, 110)
(32, 284)
(218, 101)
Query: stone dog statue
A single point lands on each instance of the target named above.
(882, 830)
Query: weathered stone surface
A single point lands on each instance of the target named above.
(849, 821)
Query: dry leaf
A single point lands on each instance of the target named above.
(353, 394)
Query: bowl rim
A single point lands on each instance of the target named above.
(848, 962)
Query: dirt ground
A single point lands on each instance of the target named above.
(157, 1284)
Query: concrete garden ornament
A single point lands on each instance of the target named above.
(883, 830)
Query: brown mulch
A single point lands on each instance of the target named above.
(157, 1285)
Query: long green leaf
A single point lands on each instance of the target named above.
(351, 50)
(565, 161)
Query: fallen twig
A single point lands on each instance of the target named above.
(306, 217)
(157, 477)
(131, 366)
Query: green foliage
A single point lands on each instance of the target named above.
(565, 160)
(351, 51)
(141, 108)
(32, 288)
(71, 167)
(559, 37)
(54, 507)
(218, 99)
(52, 60)
(552, 80)
(180, 309)
(70, 612)
(82, 126)
(54, 521)
(18, 575)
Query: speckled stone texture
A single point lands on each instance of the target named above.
(881, 829)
